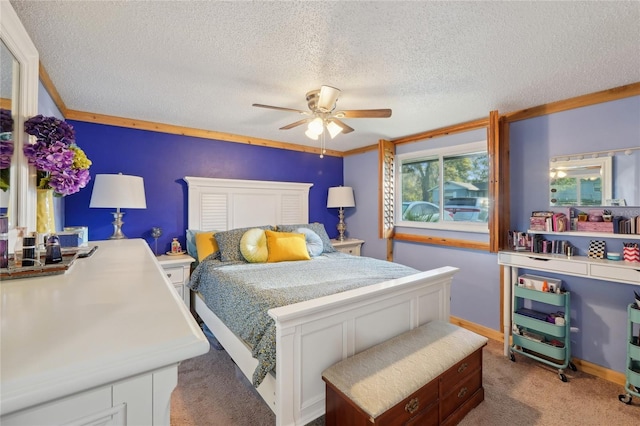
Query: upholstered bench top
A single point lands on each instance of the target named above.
(383, 375)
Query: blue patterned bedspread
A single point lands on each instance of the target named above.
(240, 294)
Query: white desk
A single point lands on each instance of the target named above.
(101, 341)
(579, 266)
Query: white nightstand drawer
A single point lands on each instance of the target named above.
(176, 275)
(350, 246)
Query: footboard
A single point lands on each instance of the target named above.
(316, 334)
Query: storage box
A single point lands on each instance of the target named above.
(535, 282)
(74, 236)
(595, 226)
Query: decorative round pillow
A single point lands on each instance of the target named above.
(253, 246)
(313, 240)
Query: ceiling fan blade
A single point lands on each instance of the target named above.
(296, 124)
(345, 128)
(364, 113)
(279, 108)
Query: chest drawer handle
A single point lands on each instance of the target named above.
(462, 392)
(462, 367)
(412, 406)
(169, 275)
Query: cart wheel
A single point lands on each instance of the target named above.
(512, 357)
(562, 377)
(626, 398)
(572, 366)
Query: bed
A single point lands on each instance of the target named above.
(314, 334)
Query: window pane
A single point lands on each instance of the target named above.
(466, 187)
(420, 183)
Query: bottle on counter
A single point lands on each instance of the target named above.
(175, 246)
(4, 241)
(17, 248)
(53, 250)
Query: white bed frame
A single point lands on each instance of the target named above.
(311, 335)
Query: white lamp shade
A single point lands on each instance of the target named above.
(118, 191)
(340, 196)
(311, 135)
(334, 129)
(316, 126)
(328, 97)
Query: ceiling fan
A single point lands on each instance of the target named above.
(322, 113)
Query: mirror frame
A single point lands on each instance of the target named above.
(17, 40)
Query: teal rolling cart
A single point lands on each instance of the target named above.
(537, 338)
(632, 383)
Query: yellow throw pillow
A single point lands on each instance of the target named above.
(284, 246)
(253, 246)
(205, 245)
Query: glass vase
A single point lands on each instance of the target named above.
(45, 215)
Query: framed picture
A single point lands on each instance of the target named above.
(615, 202)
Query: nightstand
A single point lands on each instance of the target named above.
(348, 245)
(178, 269)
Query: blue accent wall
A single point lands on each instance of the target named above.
(163, 160)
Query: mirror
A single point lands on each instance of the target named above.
(600, 181)
(19, 94)
(9, 78)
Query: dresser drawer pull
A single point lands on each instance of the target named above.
(462, 367)
(412, 406)
(169, 275)
(462, 392)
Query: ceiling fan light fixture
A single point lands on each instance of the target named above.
(316, 126)
(328, 98)
(334, 129)
(311, 135)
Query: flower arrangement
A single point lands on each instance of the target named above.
(6, 147)
(61, 164)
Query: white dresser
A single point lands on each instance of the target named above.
(99, 344)
(348, 245)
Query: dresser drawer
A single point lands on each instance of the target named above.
(463, 369)
(544, 263)
(176, 275)
(460, 394)
(611, 272)
(411, 407)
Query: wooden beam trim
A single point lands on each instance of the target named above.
(51, 89)
(616, 93)
(443, 131)
(361, 150)
(188, 131)
(442, 241)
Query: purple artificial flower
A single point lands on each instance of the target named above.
(50, 130)
(67, 182)
(6, 153)
(6, 121)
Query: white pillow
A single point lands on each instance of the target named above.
(253, 246)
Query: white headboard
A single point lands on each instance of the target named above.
(223, 204)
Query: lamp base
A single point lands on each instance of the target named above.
(342, 226)
(117, 226)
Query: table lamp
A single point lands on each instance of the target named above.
(118, 191)
(341, 197)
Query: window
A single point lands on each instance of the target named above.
(445, 188)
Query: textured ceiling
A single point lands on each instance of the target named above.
(202, 64)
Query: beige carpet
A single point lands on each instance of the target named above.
(524, 392)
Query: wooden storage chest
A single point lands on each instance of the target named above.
(431, 375)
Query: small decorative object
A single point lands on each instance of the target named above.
(637, 299)
(607, 216)
(596, 249)
(17, 248)
(53, 251)
(61, 166)
(595, 218)
(29, 251)
(156, 232)
(631, 252)
(176, 248)
(613, 256)
(582, 217)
